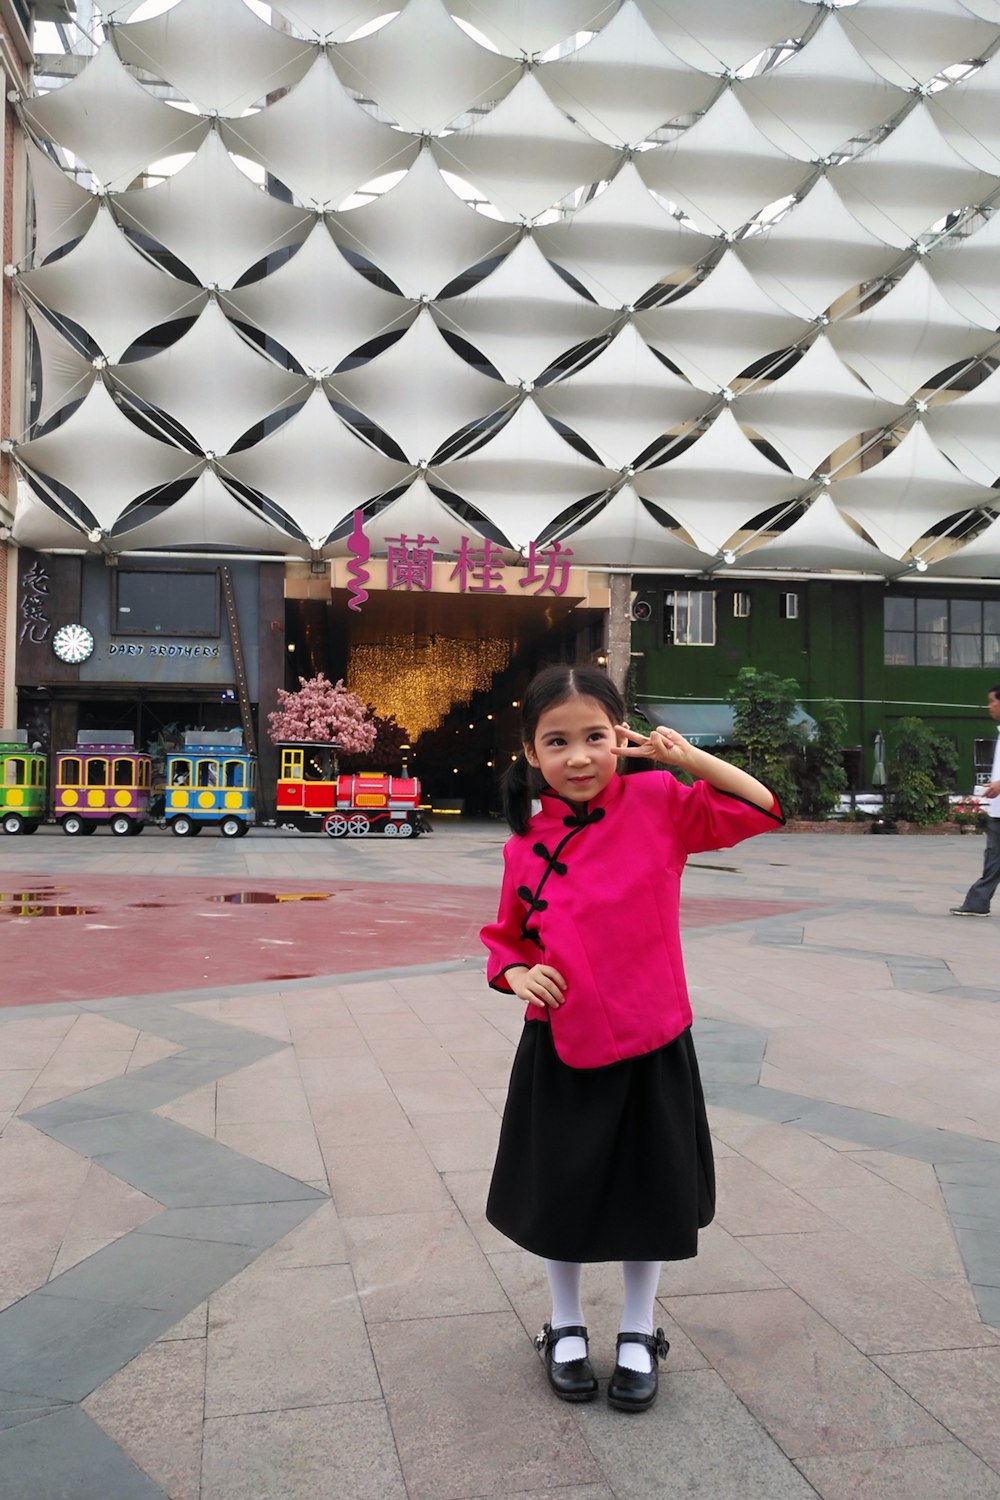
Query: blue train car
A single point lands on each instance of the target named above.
(212, 780)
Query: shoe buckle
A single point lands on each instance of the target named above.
(541, 1339)
(662, 1346)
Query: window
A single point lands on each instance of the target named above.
(788, 606)
(14, 772)
(69, 772)
(291, 765)
(689, 618)
(168, 604)
(123, 772)
(97, 772)
(180, 773)
(741, 605)
(233, 773)
(208, 773)
(942, 632)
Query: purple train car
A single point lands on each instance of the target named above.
(103, 779)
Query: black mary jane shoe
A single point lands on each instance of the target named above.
(571, 1379)
(630, 1390)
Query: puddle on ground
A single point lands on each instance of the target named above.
(270, 898)
(39, 904)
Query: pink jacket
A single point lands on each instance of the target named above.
(594, 890)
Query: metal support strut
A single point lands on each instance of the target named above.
(239, 666)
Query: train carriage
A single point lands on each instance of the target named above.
(311, 794)
(211, 781)
(103, 779)
(24, 779)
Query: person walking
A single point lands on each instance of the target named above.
(604, 1151)
(980, 893)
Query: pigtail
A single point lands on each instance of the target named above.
(518, 785)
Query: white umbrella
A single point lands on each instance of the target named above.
(879, 777)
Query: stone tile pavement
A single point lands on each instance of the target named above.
(242, 1244)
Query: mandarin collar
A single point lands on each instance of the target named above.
(554, 805)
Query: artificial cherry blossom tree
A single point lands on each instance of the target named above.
(322, 713)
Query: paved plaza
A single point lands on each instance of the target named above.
(245, 1146)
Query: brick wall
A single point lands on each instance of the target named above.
(13, 237)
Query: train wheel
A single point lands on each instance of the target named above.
(14, 823)
(121, 825)
(31, 827)
(357, 825)
(335, 825)
(231, 828)
(181, 827)
(244, 829)
(391, 829)
(74, 824)
(406, 830)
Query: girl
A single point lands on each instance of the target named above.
(604, 1150)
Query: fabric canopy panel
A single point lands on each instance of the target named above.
(721, 35)
(315, 469)
(815, 254)
(722, 171)
(721, 328)
(717, 485)
(104, 459)
(419, 391)
(979, 558)
(333, 20)
(525, 155)
(112, 291)
(522, 478)
(968, 115)
(206, 516)
(417, 515)
(213, 382)
(906, 339)
(110, 123)
(624, 532)
(813, 409)
(966, 429)
(911, 41)
(64, 211)
(67, 375)
(217, 52)
(820, 539)
(820, 98)
(523, 316)
(213, 218)
(623, 400)
(524, 27)
(317, 306)
(967, 273)
(907, 184)
(624, 84)
(318, 141)
(423, 69)
(908, 492)
(420, 233)
(623, 242)
(38, 525)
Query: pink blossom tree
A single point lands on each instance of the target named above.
(322, 713)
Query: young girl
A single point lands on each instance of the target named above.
(604, 1150)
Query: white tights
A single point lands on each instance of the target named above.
(641, 1280)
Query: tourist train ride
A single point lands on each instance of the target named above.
(312, 795)
(103, 779)
(211, 781)
(24, 783)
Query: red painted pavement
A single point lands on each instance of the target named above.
(93, 936)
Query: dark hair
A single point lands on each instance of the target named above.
(552, 686)
(995, 691)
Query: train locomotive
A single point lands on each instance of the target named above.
(24, 782)
(312, 795)
(211, 781)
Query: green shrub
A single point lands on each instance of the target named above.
(924, 766)
(767, 746)
(821, 774)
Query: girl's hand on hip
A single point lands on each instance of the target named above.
(541, 985)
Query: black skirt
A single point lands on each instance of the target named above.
(610, 1163)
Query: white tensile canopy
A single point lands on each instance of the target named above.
(420, 517)
(979, 558)
(738, 234)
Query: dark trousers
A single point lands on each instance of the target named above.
(979, 896)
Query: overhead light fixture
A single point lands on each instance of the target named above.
(728, 558)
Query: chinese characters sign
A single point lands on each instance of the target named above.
(478, 568)
(35, 623)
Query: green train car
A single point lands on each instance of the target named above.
(24, 783)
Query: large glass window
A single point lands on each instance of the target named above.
(168, 604)
(689, 618)
(922, 632)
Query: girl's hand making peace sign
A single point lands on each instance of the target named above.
(663, 745)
